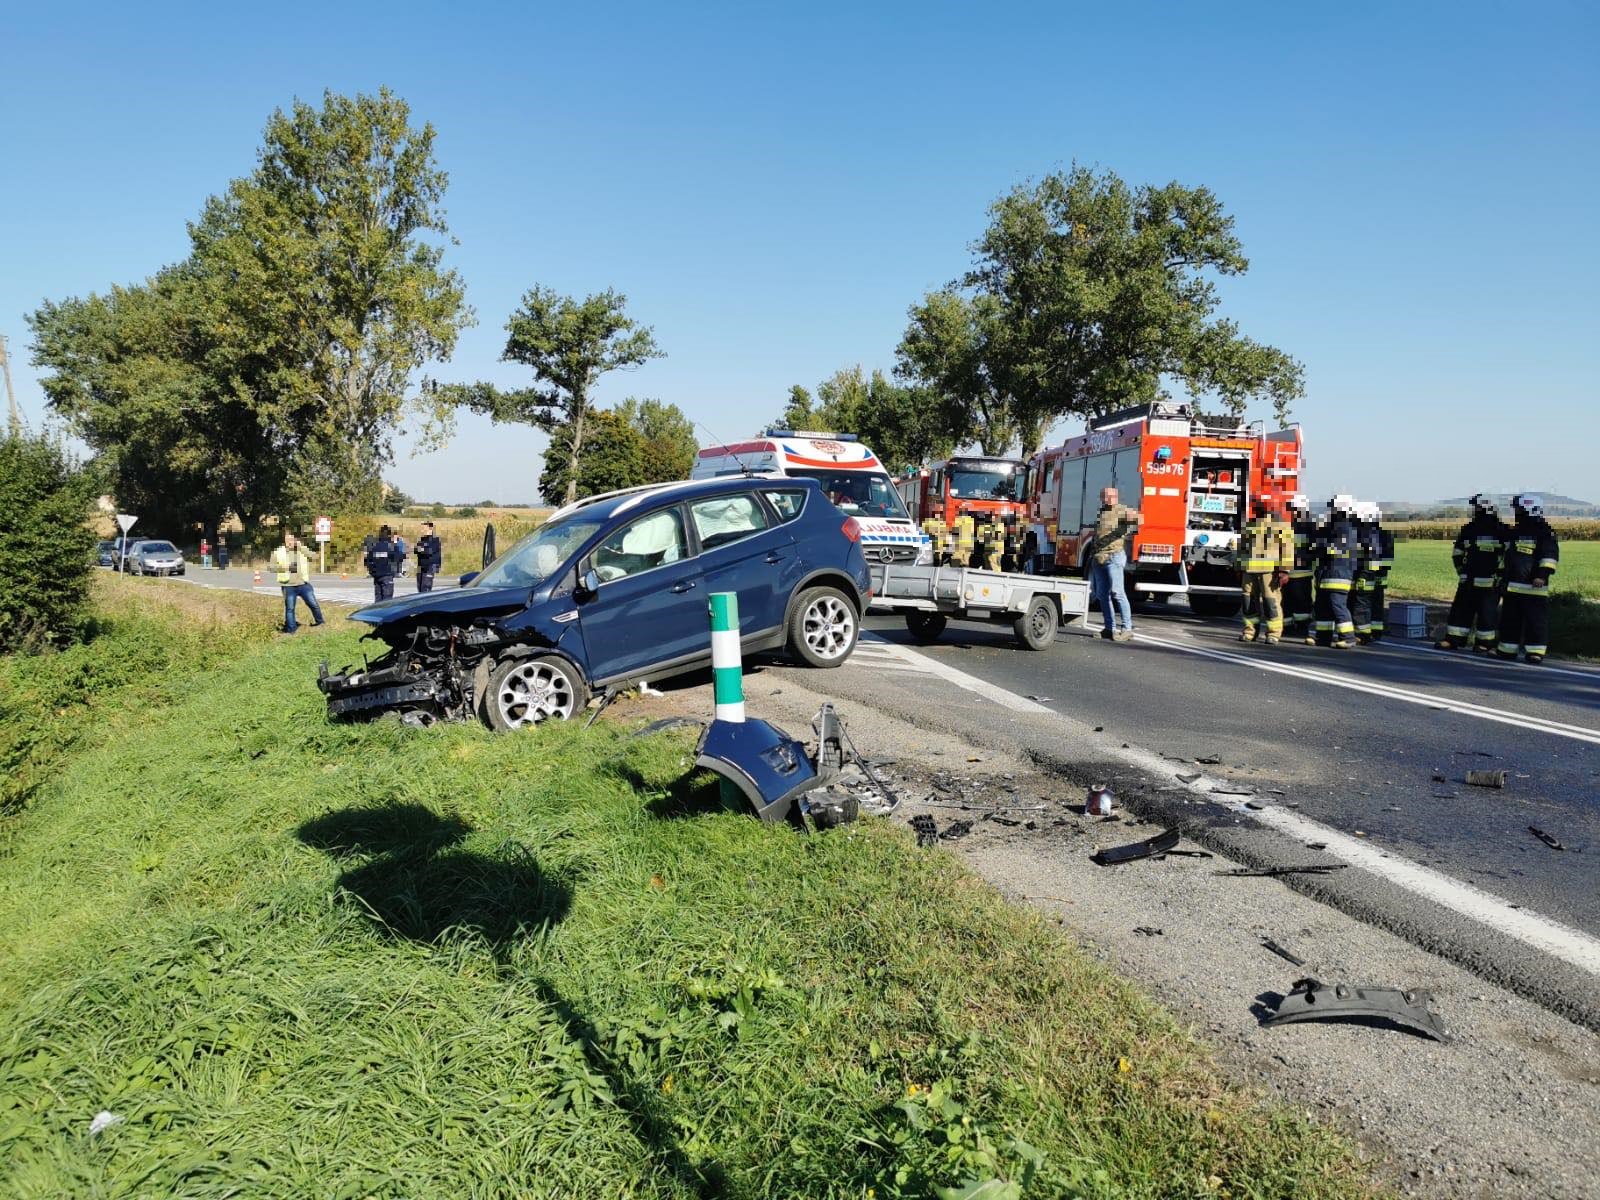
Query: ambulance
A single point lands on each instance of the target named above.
(1192, 476)
(851, 476)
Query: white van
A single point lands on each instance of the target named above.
(850, 475)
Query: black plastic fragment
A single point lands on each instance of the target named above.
(926, 829)
(1313, 1000)
(1268, 872)
(956, 829)
(1545, 838)
(1282, 952)
(1160, 844)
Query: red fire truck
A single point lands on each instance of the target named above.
(1191, 476)
(989, 490)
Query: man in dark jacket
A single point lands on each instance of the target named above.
(1297, 593)
(430, 557)
(1336, 567)
(1479, 555)
(383, 559)
(1531, 558)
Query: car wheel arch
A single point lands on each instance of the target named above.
(824, 577)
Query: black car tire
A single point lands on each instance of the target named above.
(529, 690)
(926, 627)
(823, 627)
(1036, 628)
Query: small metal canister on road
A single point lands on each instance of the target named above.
(1100, 801)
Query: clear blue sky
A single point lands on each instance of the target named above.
(1415, 185)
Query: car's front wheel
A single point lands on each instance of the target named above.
(824, 627)
(526, 691)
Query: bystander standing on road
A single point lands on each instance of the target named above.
(222, 552)
(1108, 552)
(205, 553)
(293, 566)
(383, 559)
(430, 557)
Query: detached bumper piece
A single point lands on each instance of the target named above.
(774, 772)
(1313, 1000)
(368, 692)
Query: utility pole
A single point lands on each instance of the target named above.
(11, 396)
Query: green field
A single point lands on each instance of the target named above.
(301, 959)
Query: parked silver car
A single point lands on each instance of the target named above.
(155, 557)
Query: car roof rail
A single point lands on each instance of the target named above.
(636, 490)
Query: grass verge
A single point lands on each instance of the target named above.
(302, 959)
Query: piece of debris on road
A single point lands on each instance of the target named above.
(1487, 779)
(1158, 845)
(1313, 1000)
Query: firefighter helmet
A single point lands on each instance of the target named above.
(1300, 502)
(1531, 504)
(1343, 503)
(1483, 504)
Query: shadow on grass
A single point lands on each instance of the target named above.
(418, 884)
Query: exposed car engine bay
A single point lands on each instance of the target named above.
(432, 670)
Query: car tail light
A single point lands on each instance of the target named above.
(851, 529)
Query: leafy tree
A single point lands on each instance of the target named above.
(569, 344)
(394, 500)
(953, 346)
(45, 543)
(613, 457)
(1087, 295)
(669, 445)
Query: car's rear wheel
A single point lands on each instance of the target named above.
(526, 691)
(824, 627)
(925, 627)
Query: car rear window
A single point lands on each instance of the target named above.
(788, 502)
(724, 519)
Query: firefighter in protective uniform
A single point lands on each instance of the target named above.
(1297, 592)
(1336, 565)
(1479, 555)
(1365, 583)
(1384, 563)
(1532, 555)
(1264, 555)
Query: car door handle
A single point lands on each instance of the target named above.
(683, 586)
(773, 556)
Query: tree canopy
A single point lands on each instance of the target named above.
(1087, 295)
(635, 443)
(269, 371)
(568, 344)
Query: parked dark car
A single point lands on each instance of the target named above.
(613, 590)
(105, 554)
(153, 556)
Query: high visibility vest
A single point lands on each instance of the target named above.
(293, 567)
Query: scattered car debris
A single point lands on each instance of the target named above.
(1100, 801)
(1439, 777)
(1210, 760)
(1269, 872)
(104, 1120)
(1487, 779)
(1099, 728)
(926, 829)
(1282, 952)
(1041, 699)
(1161, 844)
(1313, 1000)
(1230, 789)
(1149, 931)
(1316, 845)
(1545, 838)
(999, 820)
(956, 829)
(1189, 778)
(1255, 805)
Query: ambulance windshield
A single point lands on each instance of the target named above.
(858, 493)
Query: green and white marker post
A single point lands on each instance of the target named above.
(727, 674)
(727, 666)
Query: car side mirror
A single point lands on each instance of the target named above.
(468, 578)
(589, 584)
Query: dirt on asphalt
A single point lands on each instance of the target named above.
(1510, 1107)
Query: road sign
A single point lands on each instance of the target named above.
(125, 521)
(324, 527)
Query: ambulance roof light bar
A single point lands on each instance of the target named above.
(812, 433)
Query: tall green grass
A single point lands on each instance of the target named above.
(303, 959)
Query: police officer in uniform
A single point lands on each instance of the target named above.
(1265, 556)
(1297, 592)
(1479, 555)
(1532, 555)
(383, 559)
(430, 556)
(1336, 564)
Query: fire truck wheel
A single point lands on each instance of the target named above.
(925, 627)
(1036, 628)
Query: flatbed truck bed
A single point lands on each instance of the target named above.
(1034, 605)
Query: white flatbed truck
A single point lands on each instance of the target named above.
(1034, 605)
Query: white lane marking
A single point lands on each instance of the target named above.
(1499, 664)
(1481, 711)
(961, 679)
(1520, 924)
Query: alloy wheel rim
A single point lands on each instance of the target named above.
(532, 693)
(828, 627)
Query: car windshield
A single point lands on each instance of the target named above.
(859, 493)
(996, 482)
(539, 555)
(157, 548)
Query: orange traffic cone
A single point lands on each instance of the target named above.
(258, 577)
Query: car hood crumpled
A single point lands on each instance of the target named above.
(456, 602)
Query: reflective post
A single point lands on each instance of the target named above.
(727, 669)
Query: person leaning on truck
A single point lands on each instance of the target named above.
(1264, 555)
(1108, 554)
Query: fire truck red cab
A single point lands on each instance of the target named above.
(1191, 476)
(990, 490)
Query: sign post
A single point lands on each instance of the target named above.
(125, 522)
(324, 532)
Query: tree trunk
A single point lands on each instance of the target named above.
(575, 462)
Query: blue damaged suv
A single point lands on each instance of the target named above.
(611, 591)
